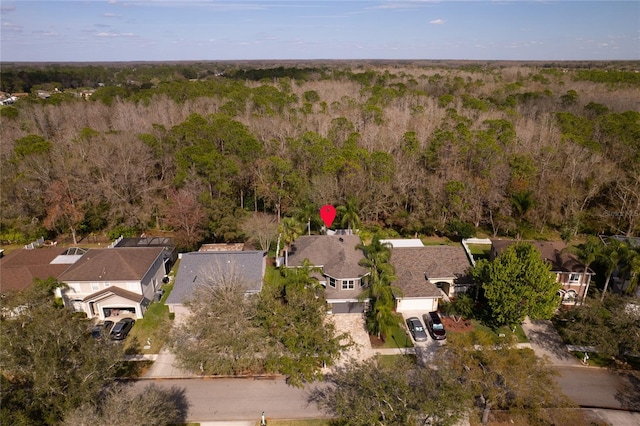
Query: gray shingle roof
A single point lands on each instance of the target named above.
(113, 264)
(198, 268)
(336, 254)
(417, 268)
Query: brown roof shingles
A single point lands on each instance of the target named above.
(118, 292)
(553, 252)
(113, 264)
(20, 267)
(418, 268)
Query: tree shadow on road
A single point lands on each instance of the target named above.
(629, 392)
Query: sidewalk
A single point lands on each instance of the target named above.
(164, 368)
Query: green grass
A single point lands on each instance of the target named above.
(390, 360)
(438, 241)
(595, 360)
(519, 332)
(399, 337)
(155, 326)
(479, 251)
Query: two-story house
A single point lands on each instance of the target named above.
(569, 271)
(113, 281)
(337, 257)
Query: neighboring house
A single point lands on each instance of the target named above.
(569, 271)
(426, 274)
(207, 267)
(19, 268)
(337, 257)
(112, 281)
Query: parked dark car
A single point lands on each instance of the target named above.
(122, 328)
(101, 330)
(435, 326)
(416, 329)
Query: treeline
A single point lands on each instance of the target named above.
(510, 150)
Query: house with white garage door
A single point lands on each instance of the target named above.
(114, 281)
(426, 274)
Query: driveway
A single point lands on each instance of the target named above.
(354, 325)
(425, 351)
(546, 343)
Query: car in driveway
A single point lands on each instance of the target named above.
(435, 326)
(101, 330)
(121, 329)
(417, 330)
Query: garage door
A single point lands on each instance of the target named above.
(347, 308)
(418, 304)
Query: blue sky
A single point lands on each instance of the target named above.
(170, 30)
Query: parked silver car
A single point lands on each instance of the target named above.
(417, 329)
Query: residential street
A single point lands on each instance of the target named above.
(245, 399)
(241, 399)
(592, 387)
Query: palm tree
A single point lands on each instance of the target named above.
(290, 229)
(611, 256)
(349, 213)
(587, 252)
(379, 289)
(631, 268)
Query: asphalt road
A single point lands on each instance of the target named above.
(241, 399)
(599, 387)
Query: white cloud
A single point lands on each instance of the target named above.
(105, 34)
(437, 21)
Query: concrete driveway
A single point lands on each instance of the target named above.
(546, 343)
(425, 351)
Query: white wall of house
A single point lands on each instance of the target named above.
(80, 290)
(426, 304)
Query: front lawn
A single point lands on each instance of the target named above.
(398, 338)
(504, 330)
(153, 328)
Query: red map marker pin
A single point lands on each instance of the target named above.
(327, 214)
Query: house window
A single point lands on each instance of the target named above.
(348, 284)
(332, 282)
(361, 282)
(95, 286)
(105, 285)
(574, 278)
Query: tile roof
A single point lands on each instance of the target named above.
(113, 264)
(553, 252)
(336, 254)
(418, 268)
(196, 268)
(20, 267)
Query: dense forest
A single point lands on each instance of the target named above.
(509, 149)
